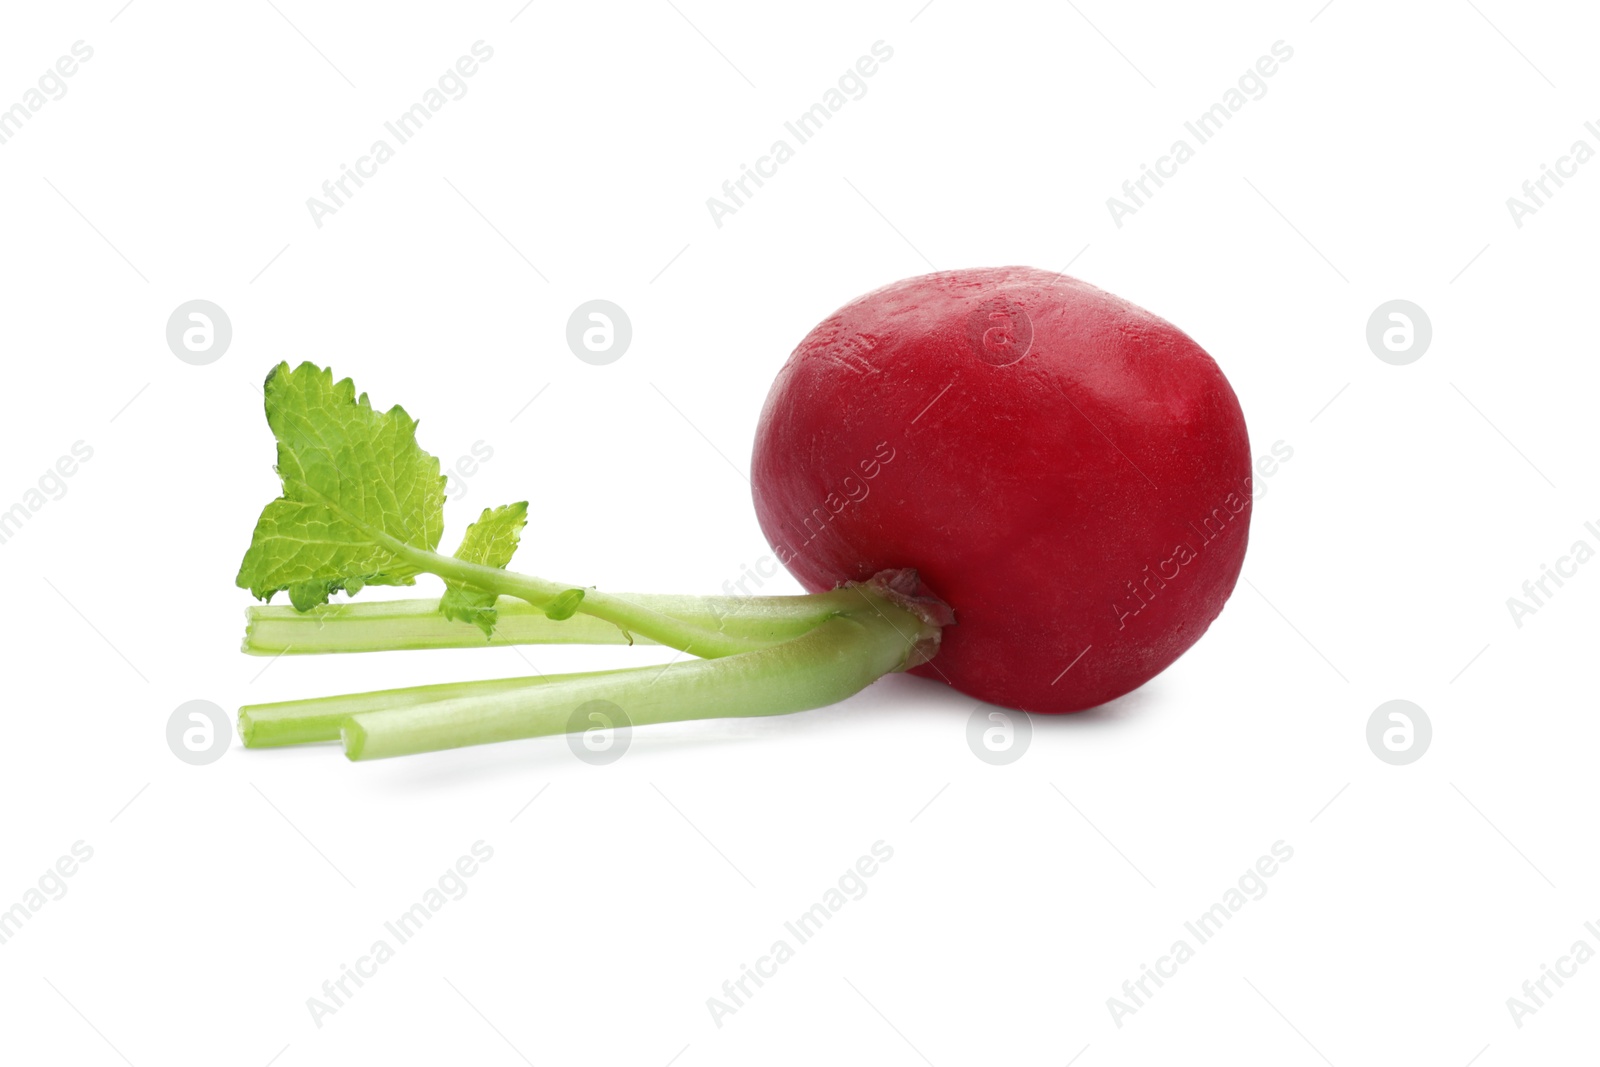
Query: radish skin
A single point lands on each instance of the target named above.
(1069, 472)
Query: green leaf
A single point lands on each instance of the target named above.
(565, 606)
(490, 541)
(352, 477)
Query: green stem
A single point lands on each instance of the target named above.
(663, 629)
(384, 625)
(838, 658)
(297, 722)
(376, 626)
(701, 640)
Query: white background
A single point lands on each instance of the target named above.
(1019, 898)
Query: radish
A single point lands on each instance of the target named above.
(1002, 479)
(1071, 476)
